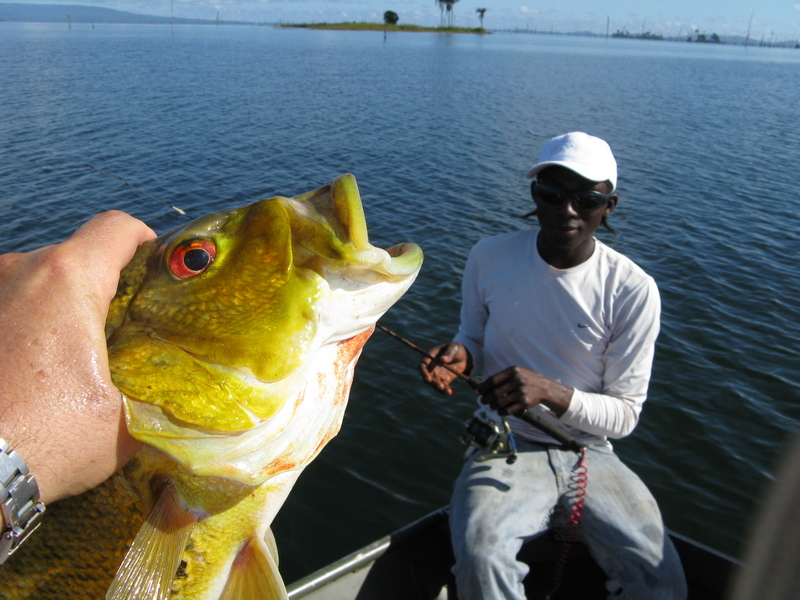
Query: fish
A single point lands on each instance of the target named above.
(233, 340)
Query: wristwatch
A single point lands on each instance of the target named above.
(19, 501)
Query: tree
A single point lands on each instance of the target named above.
(450, 4)
(446, 5)
(480, 12)
(390, 17)
(440, 4)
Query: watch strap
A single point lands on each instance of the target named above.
(19, 501)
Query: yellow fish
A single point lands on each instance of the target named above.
(233, 339)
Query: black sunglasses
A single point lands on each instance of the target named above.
(555, 195)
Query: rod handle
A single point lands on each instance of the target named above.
(559, 435)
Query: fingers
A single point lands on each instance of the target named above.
(108, 241)
(506, 392)
(434, 374)
(125, 231)
(449, 353)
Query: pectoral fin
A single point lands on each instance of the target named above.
(254, 574)
(148, 569)
(272, 545)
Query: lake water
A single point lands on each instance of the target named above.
(439, 130)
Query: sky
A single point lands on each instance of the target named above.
(776, 19)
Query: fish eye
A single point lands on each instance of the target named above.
(191, 258)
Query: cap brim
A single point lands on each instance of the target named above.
(541, 166)
(585, 171)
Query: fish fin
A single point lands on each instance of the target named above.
(272, 545)
(254, 574)
(147, 571)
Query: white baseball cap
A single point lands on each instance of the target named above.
(586, 155)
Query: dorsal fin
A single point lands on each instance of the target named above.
(150, 565)
(254, 574)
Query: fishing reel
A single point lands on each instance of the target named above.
(483, 433)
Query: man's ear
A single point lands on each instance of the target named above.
(611, 204)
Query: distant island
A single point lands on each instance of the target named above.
(74, 13)
(362, 26)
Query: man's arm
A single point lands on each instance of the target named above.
(613, 411)
(516, 389)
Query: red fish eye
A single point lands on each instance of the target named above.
(192, 258)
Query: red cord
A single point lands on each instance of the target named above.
(578, 487)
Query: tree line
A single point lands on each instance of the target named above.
(445, 9)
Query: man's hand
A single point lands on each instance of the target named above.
(455, 356)
(516, 389)
(58, 406)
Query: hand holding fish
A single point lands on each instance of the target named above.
(59, 408)
(516, 389)
(234, 340)
(455, 356)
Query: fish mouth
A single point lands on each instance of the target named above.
(363, 280)
(339, 204)
(350, 210)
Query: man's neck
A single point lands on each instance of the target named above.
(564, 258)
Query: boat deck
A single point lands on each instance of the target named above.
(414, 564)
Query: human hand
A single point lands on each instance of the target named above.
(58, 406)
(516, 389)
(455, 356)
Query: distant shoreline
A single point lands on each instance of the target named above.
(363, 26)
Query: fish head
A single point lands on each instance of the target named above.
(223, 329)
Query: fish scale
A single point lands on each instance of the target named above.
(92, 530)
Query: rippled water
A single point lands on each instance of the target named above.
(439, 130)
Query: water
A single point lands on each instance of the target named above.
(439, 130)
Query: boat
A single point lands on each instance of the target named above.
(414, 564)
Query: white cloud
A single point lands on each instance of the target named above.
(529, 11)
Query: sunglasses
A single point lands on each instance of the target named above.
(555, 195)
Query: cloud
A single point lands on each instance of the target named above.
(529, 11)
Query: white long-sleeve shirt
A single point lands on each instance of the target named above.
(592, 327)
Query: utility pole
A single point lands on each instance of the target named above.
(749, 25)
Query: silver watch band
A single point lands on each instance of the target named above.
(19, 501)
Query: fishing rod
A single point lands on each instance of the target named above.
(526, 415)
(133, 187)
(472, 381)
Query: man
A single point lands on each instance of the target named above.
(562, 325)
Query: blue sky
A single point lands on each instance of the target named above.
(779, 19)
